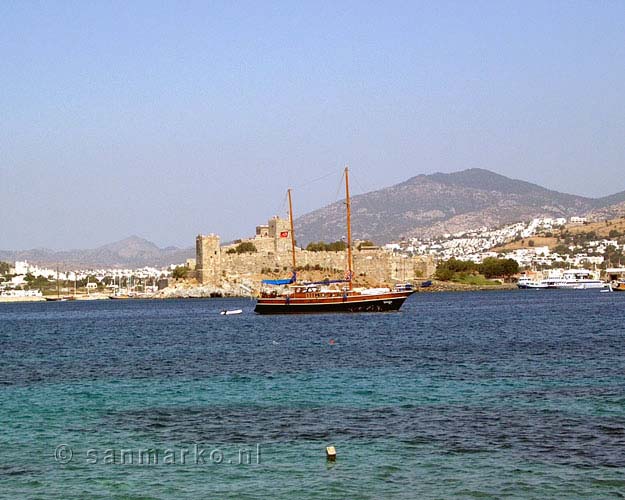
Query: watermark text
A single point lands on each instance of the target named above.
(188, 455)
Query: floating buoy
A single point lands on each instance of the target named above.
(331, 341)
(331, 453)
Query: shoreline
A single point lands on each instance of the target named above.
(206, 292)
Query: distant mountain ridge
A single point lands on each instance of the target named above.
(424, 205)
(430, 205)
(132, 252)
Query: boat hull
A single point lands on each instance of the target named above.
(531, 286)
(590, 285)
(280, 305)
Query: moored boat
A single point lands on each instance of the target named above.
(230, 312)
(329, 296)
(526, 282)
(312, 298)
(573, 279)
(619, 286)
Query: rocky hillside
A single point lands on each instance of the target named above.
(132, 252)
(428, 205)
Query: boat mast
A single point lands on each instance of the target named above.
(349, 227)
(292, 231)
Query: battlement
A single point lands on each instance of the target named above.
(273, 251)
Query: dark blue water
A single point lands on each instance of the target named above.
(489, 395)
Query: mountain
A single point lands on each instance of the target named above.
(429, 205)
(132, 252)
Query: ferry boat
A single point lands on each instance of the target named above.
(329, 295)
(573, 279)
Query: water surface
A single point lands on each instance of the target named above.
(460, 395)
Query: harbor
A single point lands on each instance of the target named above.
(312, 250)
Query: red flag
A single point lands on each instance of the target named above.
(284, 234)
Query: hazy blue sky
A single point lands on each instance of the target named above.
(166, 119)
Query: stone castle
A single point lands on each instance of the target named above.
(272, 241)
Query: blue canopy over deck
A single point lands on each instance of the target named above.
(287, 281)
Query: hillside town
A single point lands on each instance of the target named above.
(25, 280)
(541, 244)
(520, 242)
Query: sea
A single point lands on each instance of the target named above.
(497, 394)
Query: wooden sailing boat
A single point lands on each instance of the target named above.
(58, 297)
(320, 297)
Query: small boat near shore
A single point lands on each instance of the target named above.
(526, 282)
(229, 312)
(619, 286)
(58, 297)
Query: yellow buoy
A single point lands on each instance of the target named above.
(331, 453)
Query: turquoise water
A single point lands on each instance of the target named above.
(474, 395)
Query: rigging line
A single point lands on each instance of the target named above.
(362, 189)
(325, 176)
(282, 206)
(338, 188)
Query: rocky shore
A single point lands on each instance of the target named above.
(184, 290)
(192, 290)
(450, 286)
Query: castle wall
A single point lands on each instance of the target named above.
(213, 263)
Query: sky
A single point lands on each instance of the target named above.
(169, 119)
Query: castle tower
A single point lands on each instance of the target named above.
(208, 259)
(280, 231)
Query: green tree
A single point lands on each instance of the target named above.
(492, 267)
(458, 266)
(243, 247)
(36, 283)
(562, 249)
(444, 274)
(366, 243)
(321, 246)
(5, 267)
(246, 247)
(510, 267)
(180, 272)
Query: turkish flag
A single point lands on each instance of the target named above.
(284, 234)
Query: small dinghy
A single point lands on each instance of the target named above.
(231, 311)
